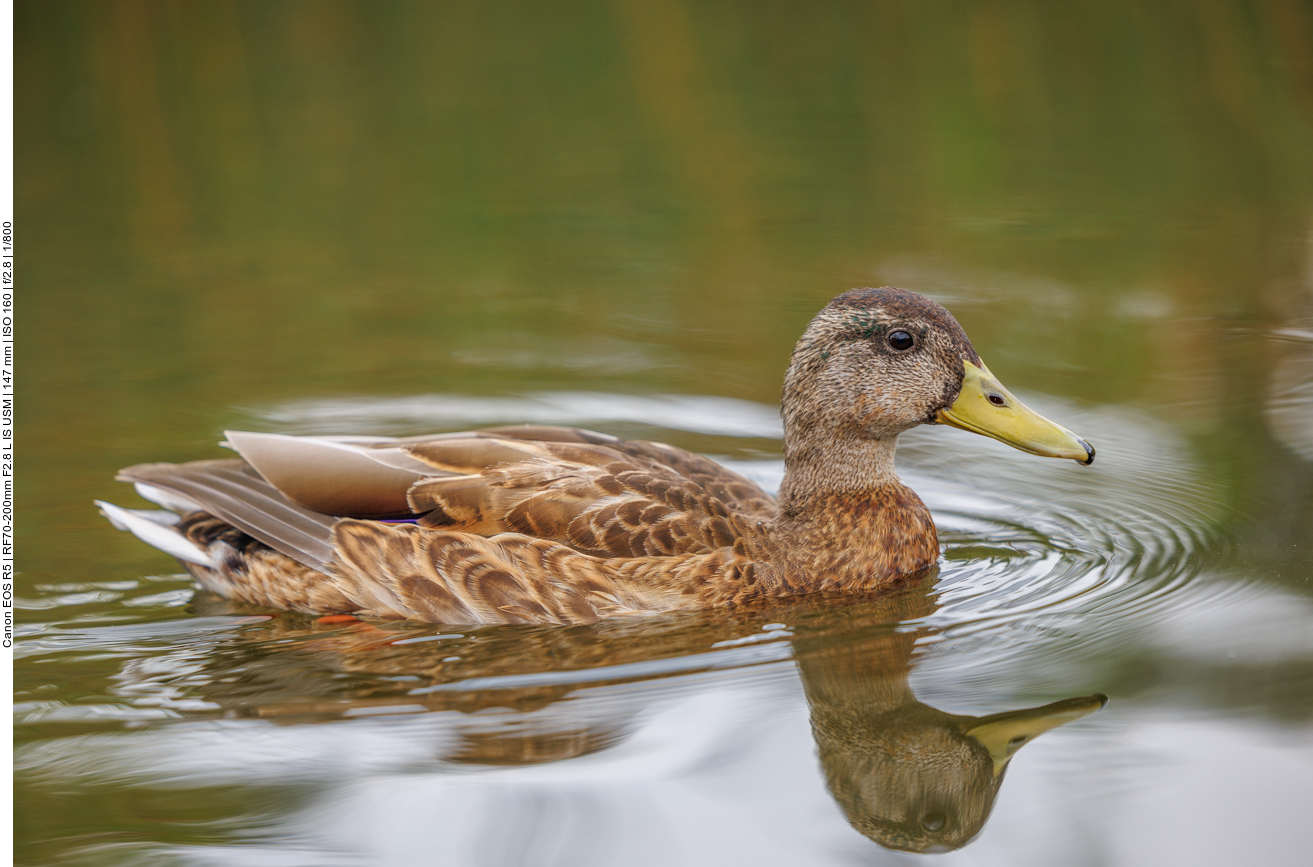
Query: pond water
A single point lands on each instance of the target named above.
(406, 218)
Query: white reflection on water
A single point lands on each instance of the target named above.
(1290, 396)
(719, 416)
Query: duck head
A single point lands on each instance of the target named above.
(877, 362)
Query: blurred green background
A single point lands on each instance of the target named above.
(227, 205)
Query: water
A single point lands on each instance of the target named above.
(408, 218)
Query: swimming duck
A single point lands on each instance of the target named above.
(541, 524)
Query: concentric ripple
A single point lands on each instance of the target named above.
(1047, 540)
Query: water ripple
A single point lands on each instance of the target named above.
(1025, 538)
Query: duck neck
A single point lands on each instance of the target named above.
(846, 523)
(843, 468)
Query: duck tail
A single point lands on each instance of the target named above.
(159, 529)
(235, 494)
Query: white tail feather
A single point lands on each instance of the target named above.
(156, 529)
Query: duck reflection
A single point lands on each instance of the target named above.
(907, 775)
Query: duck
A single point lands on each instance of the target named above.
(557, 525)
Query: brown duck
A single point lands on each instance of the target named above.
(559, 525)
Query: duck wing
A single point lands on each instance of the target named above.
(596, 494)
(736, 492)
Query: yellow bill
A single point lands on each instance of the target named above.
(986, 407)
(1005, 733)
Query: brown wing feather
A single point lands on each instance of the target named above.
(735, 491)
(739, 494)
(612, 511)
(333, 477)
(658, 514)
(621, 499)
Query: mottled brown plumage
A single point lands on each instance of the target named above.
(559, 525)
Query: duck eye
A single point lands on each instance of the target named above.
(901, 340)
